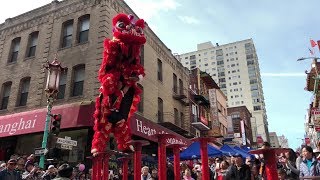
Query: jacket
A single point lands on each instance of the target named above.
(4, 174)
(314, 169)
(244, 173)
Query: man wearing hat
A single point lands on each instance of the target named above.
(9, 173)
(64, 172)
(50, 173)
(239, 171)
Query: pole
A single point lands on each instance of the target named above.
(46, 130)
(204, 158)
(162, 158)
(137, 161)
(176, 159)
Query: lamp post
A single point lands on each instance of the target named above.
(54, 70)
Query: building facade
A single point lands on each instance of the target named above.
(283, 141)
(241, 121)
(208, 105)
(274, 141)
(74, 31)
(235, 67)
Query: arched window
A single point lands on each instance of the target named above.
(32, 44)
(24, 91)
(5, 94)
(14, 51)
(78, 80)
(67, 30)
(84, 25)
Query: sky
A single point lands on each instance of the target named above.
(281, 31)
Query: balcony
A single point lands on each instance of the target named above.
(201, 123)
(173, 123)
(181, 95)
(202, 99)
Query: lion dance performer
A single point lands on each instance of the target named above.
(119, 94)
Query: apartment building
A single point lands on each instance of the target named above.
(74, 31)
(241, 123)
(235, 67)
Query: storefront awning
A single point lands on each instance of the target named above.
(73, 115)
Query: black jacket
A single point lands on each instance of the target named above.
(4, 174)
(244, 173)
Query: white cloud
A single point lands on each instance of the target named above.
(189, 19)
(147, 9)
(283, 74)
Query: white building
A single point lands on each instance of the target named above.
(274, 141)
(235, 67)
(283, 142)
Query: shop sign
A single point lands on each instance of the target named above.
(40, 151)
(316, 120)
(147, 129)
(67, 147)
(67, 141)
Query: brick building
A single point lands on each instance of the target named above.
(73, 30)
(241, 121)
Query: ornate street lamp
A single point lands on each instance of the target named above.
(52, 87)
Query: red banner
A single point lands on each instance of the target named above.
(73, 115)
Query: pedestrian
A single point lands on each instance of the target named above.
(239, 171)
(154, 174)
(289, 161)
(64, 172)
(145, 175)
(187, 175)
(50, 173)
(9, 172)
(32, 171)
(3, 166)
(309, 165)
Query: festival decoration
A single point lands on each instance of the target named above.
(119, 73)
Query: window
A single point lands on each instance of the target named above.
(33, 42)
(235, 83)
(220, 62)
(253, 81)
(6, 88)
(181, 86)
(24, 90)
(233, 65)
(221, 74)
(84, 25)
(160, 110)
(206, 64)
(249, 56)
(159, 70)
(140, 105)
(256, 108)
(181, 118)
(176, 117)
(142, 56)
(78, 80)
(15, 46)
(175, 83)
(62, 85)
(192, 57)
(186, 58)
(223, 86)
(222, 80)
(67, 34)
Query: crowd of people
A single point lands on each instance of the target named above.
(26, 168)
(291, 165)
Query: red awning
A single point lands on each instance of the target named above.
(73, 115)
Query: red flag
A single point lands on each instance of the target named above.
(313, 44)
(311, 52)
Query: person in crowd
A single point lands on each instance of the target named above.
(145, 175)
(239, 171)
(3, 166)
(50, 173)
(20, 165)
(170, 170)
(222, 173)
(255, 172)
(90, 173)
(65, 172)
(290, 164)
(309, 165)
(32, 172)
(82, 176)
(9, 173)
(130, 175)
(282, 175)
(187, 175)
(154, 174)
(298, 161)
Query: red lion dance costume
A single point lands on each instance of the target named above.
(119, 72)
